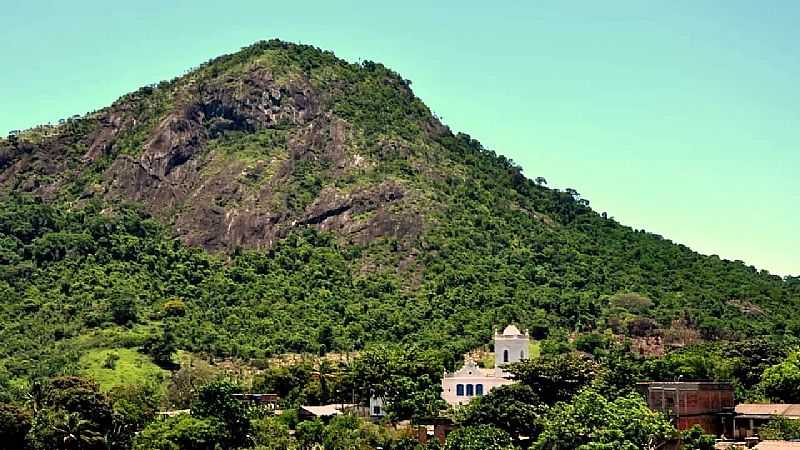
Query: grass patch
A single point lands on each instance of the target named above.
(121, 366)
(534, 349)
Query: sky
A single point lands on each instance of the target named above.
(680, 117)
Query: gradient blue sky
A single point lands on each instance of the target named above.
(681, 117)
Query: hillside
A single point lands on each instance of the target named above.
(290, 201)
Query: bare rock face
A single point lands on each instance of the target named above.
(219, 197)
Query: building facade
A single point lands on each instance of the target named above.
(471, 381)
(688, 403)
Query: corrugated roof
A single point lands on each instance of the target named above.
(328, 410)
(778, 445)
(768, 409)
(322, 411)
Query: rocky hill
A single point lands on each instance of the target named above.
(332, 209)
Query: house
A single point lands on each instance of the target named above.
(377, 408)
(471, 381)
(751, 416)
(432, 428)
(328, 411)
(687, 403)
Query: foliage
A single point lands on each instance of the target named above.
(84, 277)
(695, 439)
(593, 421)
(780, 428)
(183, 432)
(134, 406)
(271, 433)
(161, 347)
(15, 422)
(555, 378)
(513, 408)
(479, 437)
(408, 379)
(71, 413)
(781, 382)
(216, 401)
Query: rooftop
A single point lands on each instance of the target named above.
(511, 331)
(778, 445)
(327, 410)
(768, 409)
(698, 385)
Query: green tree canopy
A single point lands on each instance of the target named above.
(593, 421)
(478, 437)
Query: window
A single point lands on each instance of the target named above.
(522, 354)
(376, 410)
(460, 389)
(478, 389)
(470, 393)
(505, 355)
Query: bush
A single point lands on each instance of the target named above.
(480, 437)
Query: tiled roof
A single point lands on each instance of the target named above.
(768, 409)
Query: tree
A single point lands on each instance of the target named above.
(408, 379)
(187, 381)
(78, 433)
(595, 422)
(134, 406)
(123, 308)
(309, 433)
(619, 370)
(325, 338)
(696, 439)
(513, 408)
(71, 414)
(216, 400)
(478, 437)
(161, 346)
(271, 433)
(555, 378)
(15, 422)
(780, 428)
(781, 382)
(75, 395)
(182, 432)
(175, 308)
(55, 429)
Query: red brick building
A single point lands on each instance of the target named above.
(689, 403)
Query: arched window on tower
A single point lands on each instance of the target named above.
(505, 355)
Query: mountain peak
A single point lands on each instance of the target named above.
(245, 147)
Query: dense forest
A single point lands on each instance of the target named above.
(121, 255)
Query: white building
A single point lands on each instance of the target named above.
(470, 381)
(376, 407)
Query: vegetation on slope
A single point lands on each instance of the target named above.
(363, 221)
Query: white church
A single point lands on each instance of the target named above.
(510, 346)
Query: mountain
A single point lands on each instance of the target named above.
(287, 200)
